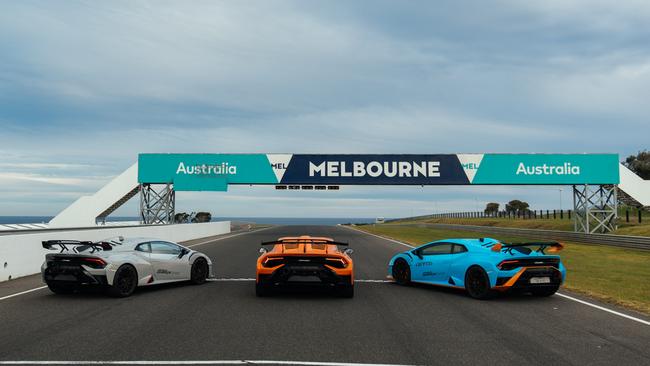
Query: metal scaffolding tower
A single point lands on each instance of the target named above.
(157, 206)
(595, 208)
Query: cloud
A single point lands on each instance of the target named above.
(86, 86)
(594, 15)
(618, 90)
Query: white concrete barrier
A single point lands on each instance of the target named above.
(22, 254)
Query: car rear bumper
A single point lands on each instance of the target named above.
(530, 277)
(304, 275)
(74, 276)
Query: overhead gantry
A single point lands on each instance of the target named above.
(597, 179)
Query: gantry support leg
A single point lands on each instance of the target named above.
(157, 204)
(595, 208)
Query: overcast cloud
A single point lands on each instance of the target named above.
(86, 86)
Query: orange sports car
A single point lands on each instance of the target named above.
(305, 260)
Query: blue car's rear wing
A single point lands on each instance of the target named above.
(526, 247)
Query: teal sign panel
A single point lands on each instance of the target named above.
(547, 169)
(205, 172)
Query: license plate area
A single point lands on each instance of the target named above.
(539, 280)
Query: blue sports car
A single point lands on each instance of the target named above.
(482, 266)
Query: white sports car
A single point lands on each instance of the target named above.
(121, 264)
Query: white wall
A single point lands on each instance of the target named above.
(23, 254)
(635, 186)
(83, 211)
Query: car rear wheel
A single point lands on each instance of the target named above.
(262, 290)
(199, 271)
(477, 283)
(60, 289)
(401, 272)
(124, 282)
(544, 291)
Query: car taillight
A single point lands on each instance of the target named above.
(273, 262)
(336, 262)
(508, 265)
(94, 262)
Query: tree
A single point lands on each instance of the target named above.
(517, 206)
(181, 218)
(639, 163)
(491, 208)
(202, 217)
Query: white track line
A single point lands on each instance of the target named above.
(230, 279)
(380, 237)
(189, 246)
(374, 281)
(227, 237)
(201, 362)
(252, 279)
(22, 293)
(557, 293)
(603, 309)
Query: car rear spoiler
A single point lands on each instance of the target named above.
(303, 241)
(542, 246)
(73, 244)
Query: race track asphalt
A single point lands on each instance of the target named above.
(384, 323)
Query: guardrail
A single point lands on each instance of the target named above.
(115, 225)
(625, 241)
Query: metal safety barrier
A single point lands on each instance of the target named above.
(625, 241)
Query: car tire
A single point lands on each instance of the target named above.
(544, 291)
(262, 290)
(124, 282)
(401, 272)
(199, 272)
(346, 291)
(60, 289)
(477, 284)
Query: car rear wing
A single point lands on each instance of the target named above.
(542, 246)
(66, 245)
(303, 241)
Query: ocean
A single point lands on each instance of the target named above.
(257, 220)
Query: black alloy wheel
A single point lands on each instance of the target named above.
(401, 272)
(477, 283)
(124, 282)
(199, 272)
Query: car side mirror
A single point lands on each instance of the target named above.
(183, 252)
(348, 251)
(418, 254)
(262, 250)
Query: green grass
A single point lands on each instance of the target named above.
(632, 228)
(615, 275)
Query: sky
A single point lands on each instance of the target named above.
(85, 86)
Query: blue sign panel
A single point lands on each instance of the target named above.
(375, 169)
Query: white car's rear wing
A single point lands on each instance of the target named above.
(74, 245)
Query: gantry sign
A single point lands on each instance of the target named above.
(215, 172)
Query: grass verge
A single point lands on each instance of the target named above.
(614, 275)
(642, 229)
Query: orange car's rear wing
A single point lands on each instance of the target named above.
(304, 241)
(542, 246)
